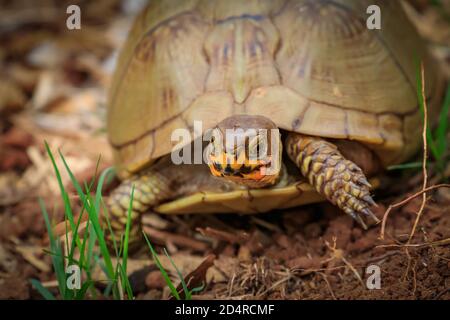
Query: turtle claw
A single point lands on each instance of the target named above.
(360, 209)
(358, 219)
(367, 198)
(369, 213)
(363, 181)
(340, 180)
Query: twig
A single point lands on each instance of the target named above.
(416, 245)
(442, 293)
(197, 277)
(325, 278)
(230, 290)
(378, 258)
(236, 237)
(275, 285)
(339, 254)
(424, 169)
(425, 153)
(401, 203)
(177, 239)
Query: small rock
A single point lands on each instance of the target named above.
(244, 254)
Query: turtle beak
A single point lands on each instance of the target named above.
(243, 171)
(246, 157)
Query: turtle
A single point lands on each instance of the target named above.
(338, 99)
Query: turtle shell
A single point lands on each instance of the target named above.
(311, 66)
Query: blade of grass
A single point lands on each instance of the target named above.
(91, 239)
(187, 293)
(198, 289)
(125, 281)
(93, 216)
(441, 131)
(410, 165)
(111, 231)
(64, 195)
(81, 294)
(83, 243)
(101, 181)
(420, 98)
(111, 274)
(127, 231)
(42, 290)
(57, 257)
(172, 288)
(88, 188)
(99, 201)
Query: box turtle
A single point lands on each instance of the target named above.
(340, 98)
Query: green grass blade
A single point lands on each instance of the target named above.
(57, 257)
(42, 290)
(403, 166)
(127, 231)
(110, 230)
(88, 232)
(99, 201)
(187, 293)
(101, 181)
(429, 136)
(172, 288)
(81, 294)
(93, 216)
(441, 131)
(198, 289)
(125, 281)
(64, 195)
(91, 236)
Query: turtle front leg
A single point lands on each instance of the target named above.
(341, 181)
(150, 188)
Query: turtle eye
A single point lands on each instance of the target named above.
(215, 142)
(258, 148)
(253, 151)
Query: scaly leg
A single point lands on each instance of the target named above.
(150, 188)
(341, 181)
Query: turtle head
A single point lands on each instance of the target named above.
(245, 150)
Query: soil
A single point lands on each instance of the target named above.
(310, 252)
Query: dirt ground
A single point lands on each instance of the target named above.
(53, 88)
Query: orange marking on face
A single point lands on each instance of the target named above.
(214, 171)
(254, 175)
